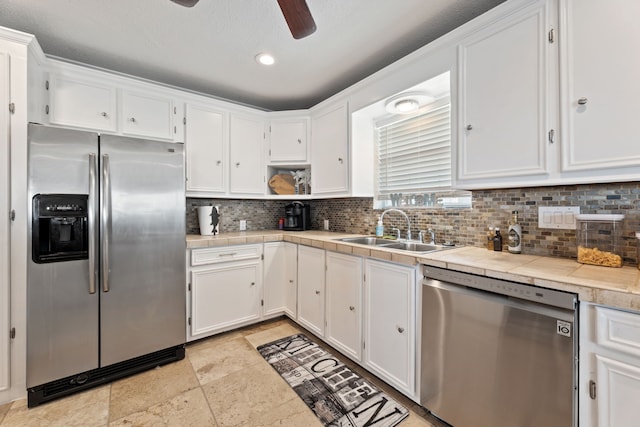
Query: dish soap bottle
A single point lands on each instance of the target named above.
(379, 228)
(515, 234)
(497, 240)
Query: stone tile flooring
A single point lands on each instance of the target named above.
(222, 382)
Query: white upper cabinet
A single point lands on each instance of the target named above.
(288, 140)
(82, 102)
(246, 145)
(206, 136)
(502, 103)
(330, 150)
(599, 68)
(147, 114)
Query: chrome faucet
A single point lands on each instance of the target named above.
(432, 235)
(405, 216)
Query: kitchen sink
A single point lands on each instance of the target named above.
(394, 244)
(369, 241)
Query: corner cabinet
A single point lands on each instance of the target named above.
(206, 136)
(609, 380)
(225, 289)
(280, 279)
(390, 324)
(330, 150)
(288, 139)
(246, 148)
(343, 311)
(599, 89)
(311, 290)
(503, 101)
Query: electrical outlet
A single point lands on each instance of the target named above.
(559, 217)
(243, 224)
(326, 225)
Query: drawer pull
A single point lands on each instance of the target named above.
(228, 254)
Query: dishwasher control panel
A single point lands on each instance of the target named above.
(503, 287)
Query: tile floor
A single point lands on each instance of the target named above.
(222, 382)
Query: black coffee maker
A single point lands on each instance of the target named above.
(297, 217)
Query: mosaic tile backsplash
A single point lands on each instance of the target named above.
(460, 226)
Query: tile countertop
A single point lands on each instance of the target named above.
(617, 287)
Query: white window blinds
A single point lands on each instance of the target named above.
(414, 154)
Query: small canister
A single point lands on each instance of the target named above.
(599, 239)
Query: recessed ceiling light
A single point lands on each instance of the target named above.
(407, 102)
(265, 59)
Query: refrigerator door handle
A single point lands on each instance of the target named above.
(106, 221)
(91, 219)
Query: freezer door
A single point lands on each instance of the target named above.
(62, 314)
(142, 285)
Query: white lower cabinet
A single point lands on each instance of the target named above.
(311, 275)
(609, 380)
(225, 288)
(343, 311)
(280, 279)
(390, 324)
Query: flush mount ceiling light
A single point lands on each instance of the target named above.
(265, 59)
(407, 102)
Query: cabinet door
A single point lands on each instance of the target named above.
(618, 386)
(246, 145)
(288, 140)
(224, 296)
(330, 151)
(82, 103)
(599, 87)
(205, 146)
(280, 279)
(5, 203)
(311, 273)
(344, 303)
(503, 111)
(389, 323)
(147, 115)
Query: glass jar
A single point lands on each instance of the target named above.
(599, 238)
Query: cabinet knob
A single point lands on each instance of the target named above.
(253, 283)
(351, 308)
(104, 114)
(218, 162)
(582, 101)
(340, 160)
(400, 329)
(237, 164)
(299, 141)
(290, 280)
(469, 127)
(132, 119)
(317, 292)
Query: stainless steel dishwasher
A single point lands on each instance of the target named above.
(497, 353)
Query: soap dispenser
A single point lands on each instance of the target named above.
(379, 228)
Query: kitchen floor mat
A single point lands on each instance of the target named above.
(336, 394)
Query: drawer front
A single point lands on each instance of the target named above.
(224, 254)
(618, 330)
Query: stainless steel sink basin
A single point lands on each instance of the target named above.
(416, 247)
(394, 244)
(369, 241)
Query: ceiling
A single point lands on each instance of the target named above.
(211, 47)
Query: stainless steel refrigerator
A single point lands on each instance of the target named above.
(106, 270)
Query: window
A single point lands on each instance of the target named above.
(413, 159)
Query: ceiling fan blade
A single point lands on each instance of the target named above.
(186, 3)
(298, 17)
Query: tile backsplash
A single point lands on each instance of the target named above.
(461, 226)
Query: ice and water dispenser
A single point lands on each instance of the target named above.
(59, 228)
